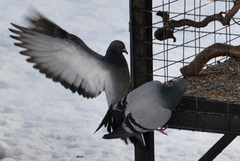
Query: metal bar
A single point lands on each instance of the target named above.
(212, 116)
(204, 122)
(218, 147)
(145, 153)
(209, 106)
(140, 36)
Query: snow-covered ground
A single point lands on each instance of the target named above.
(41, 120)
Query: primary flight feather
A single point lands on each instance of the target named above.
(65, 58)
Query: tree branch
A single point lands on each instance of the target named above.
(168, 25)
(213, 51)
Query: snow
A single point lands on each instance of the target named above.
(41, 120)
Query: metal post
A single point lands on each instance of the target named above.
(141, 61)
(218, 147)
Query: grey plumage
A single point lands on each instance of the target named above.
(145, 109)
(65, 58)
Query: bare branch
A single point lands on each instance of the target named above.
(213, 51)
(168, 25)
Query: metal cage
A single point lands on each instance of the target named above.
(197, 40)
(213, 97)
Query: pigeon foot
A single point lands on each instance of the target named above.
(162, 129)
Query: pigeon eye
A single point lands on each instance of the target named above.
(119, 45)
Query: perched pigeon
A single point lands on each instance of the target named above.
(146, 108)
(65, 58)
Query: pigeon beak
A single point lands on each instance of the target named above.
(125, 51)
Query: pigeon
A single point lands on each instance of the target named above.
(145, 109)
(65, 58)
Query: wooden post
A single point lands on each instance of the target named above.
(141, 61)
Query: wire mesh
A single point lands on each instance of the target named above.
(212, 101)
(219, 79)
(213, 98)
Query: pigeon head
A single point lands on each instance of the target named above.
(117, 46)
(115, 52)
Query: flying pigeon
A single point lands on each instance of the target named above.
(65, 58)
(146, 108)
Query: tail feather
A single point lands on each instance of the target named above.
(121, 133)
(118, 133)
(106, 118)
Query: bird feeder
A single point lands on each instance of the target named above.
(197, 40)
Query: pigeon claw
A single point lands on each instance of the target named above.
(162, 129)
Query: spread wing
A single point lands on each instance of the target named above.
(61, 56)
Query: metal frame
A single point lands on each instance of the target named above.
(208, 116)
(211, 116)
(141, 62)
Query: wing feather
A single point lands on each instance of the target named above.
(61, 56)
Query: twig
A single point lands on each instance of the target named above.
(213, 51)
(168, 25)
(216, 17)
